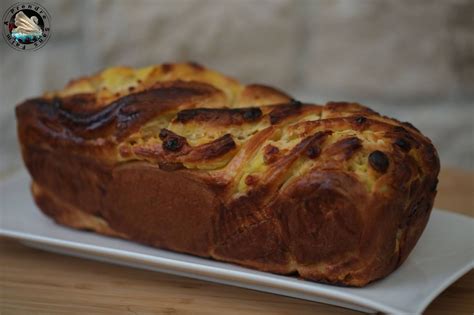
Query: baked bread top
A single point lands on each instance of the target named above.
(183, 116)
(337, 193)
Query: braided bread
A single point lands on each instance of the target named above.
(182, 158)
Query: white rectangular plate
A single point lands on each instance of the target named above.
(444, 253)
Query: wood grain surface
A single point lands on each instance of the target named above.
(37, 282)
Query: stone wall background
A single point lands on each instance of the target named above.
(410, 59)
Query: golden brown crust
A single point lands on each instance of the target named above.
(180, 157)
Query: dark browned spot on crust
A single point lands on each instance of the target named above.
(78, 120)
(360, 120)
(122, 116)
(251, 113)
(344, 148)
(414, 210)
(167, 67)
(420, 207)
(403, 138)
(220, 116)
(212, 149)
(311, 145)
(196, 66)
(171, 141)
(403, 144)
(379, 161)
(400, 129)
(270, 154)
(172, 144)
(284, 111)
(406, 123)
(131, 89)
(313, 152)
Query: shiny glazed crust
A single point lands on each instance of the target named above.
(180, 157)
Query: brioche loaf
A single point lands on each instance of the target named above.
(182, 158)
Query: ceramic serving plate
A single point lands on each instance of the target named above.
(444, 253)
